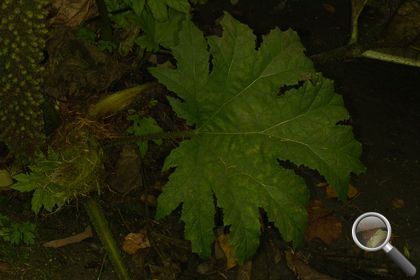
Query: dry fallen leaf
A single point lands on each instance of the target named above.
(229, 254)
(398, 203)
(5, 266)
(168, 271)
(328, 8)
(135, 241)
(149, 200)
(275, 252)
(302, 270)
(204, 268)
(70, 240)
(72, 12)
(322, 184)
(351, 193)
(322, 224)
(244, 271)
(77, 69)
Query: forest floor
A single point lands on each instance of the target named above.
(383, 100)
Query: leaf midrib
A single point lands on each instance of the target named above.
(261, 76)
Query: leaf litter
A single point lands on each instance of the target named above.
(73, 12)
(133, 242)
(322, 224)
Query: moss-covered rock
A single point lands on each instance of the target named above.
(22, 40)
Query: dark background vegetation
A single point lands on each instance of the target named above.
(383, 100)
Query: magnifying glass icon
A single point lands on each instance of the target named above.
(372, 232)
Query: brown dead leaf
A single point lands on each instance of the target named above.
(168, 271)
(77, 69)
(149, 200)
(72, 12)
(135, 241)
(322, 184)
(275, 252)
(229, 254)
(205, 267)
(5, 266)
(351, 193)
(322, 224)
(244, 271)
(302, 270)
(70, 240)
(398, 203)
(328, 8)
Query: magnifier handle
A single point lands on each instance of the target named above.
(408, 268)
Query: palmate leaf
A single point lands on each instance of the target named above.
(159, 33)
(159, 8)
(242, 126)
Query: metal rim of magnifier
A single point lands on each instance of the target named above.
(377, 215)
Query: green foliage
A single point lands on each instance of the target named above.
(86, 34)
(121, 19)
(159, 20)
(243, 126)
(5, 178)
(143, 126)
(97, 218)
(17, 233)
(90, 36)
(198, 2)
(159, 33)
(159, 8)
(106, 46)
(46, 194)
(64, 174)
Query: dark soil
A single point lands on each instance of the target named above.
(383, 100)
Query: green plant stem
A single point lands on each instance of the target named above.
(356, 8)
(339, 54)
(153, 136)
(404, 56)
(101, 226)
(406, 59)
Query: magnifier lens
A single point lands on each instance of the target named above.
(371, 232)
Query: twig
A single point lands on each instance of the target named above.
(87, 233)
(102, 266)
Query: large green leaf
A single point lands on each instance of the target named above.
(159, 8)
(159, 33)
(138, 6)
(143, 126)
(242, 126)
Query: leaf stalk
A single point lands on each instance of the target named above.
(101, 226)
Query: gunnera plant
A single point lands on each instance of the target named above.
(22, 39)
